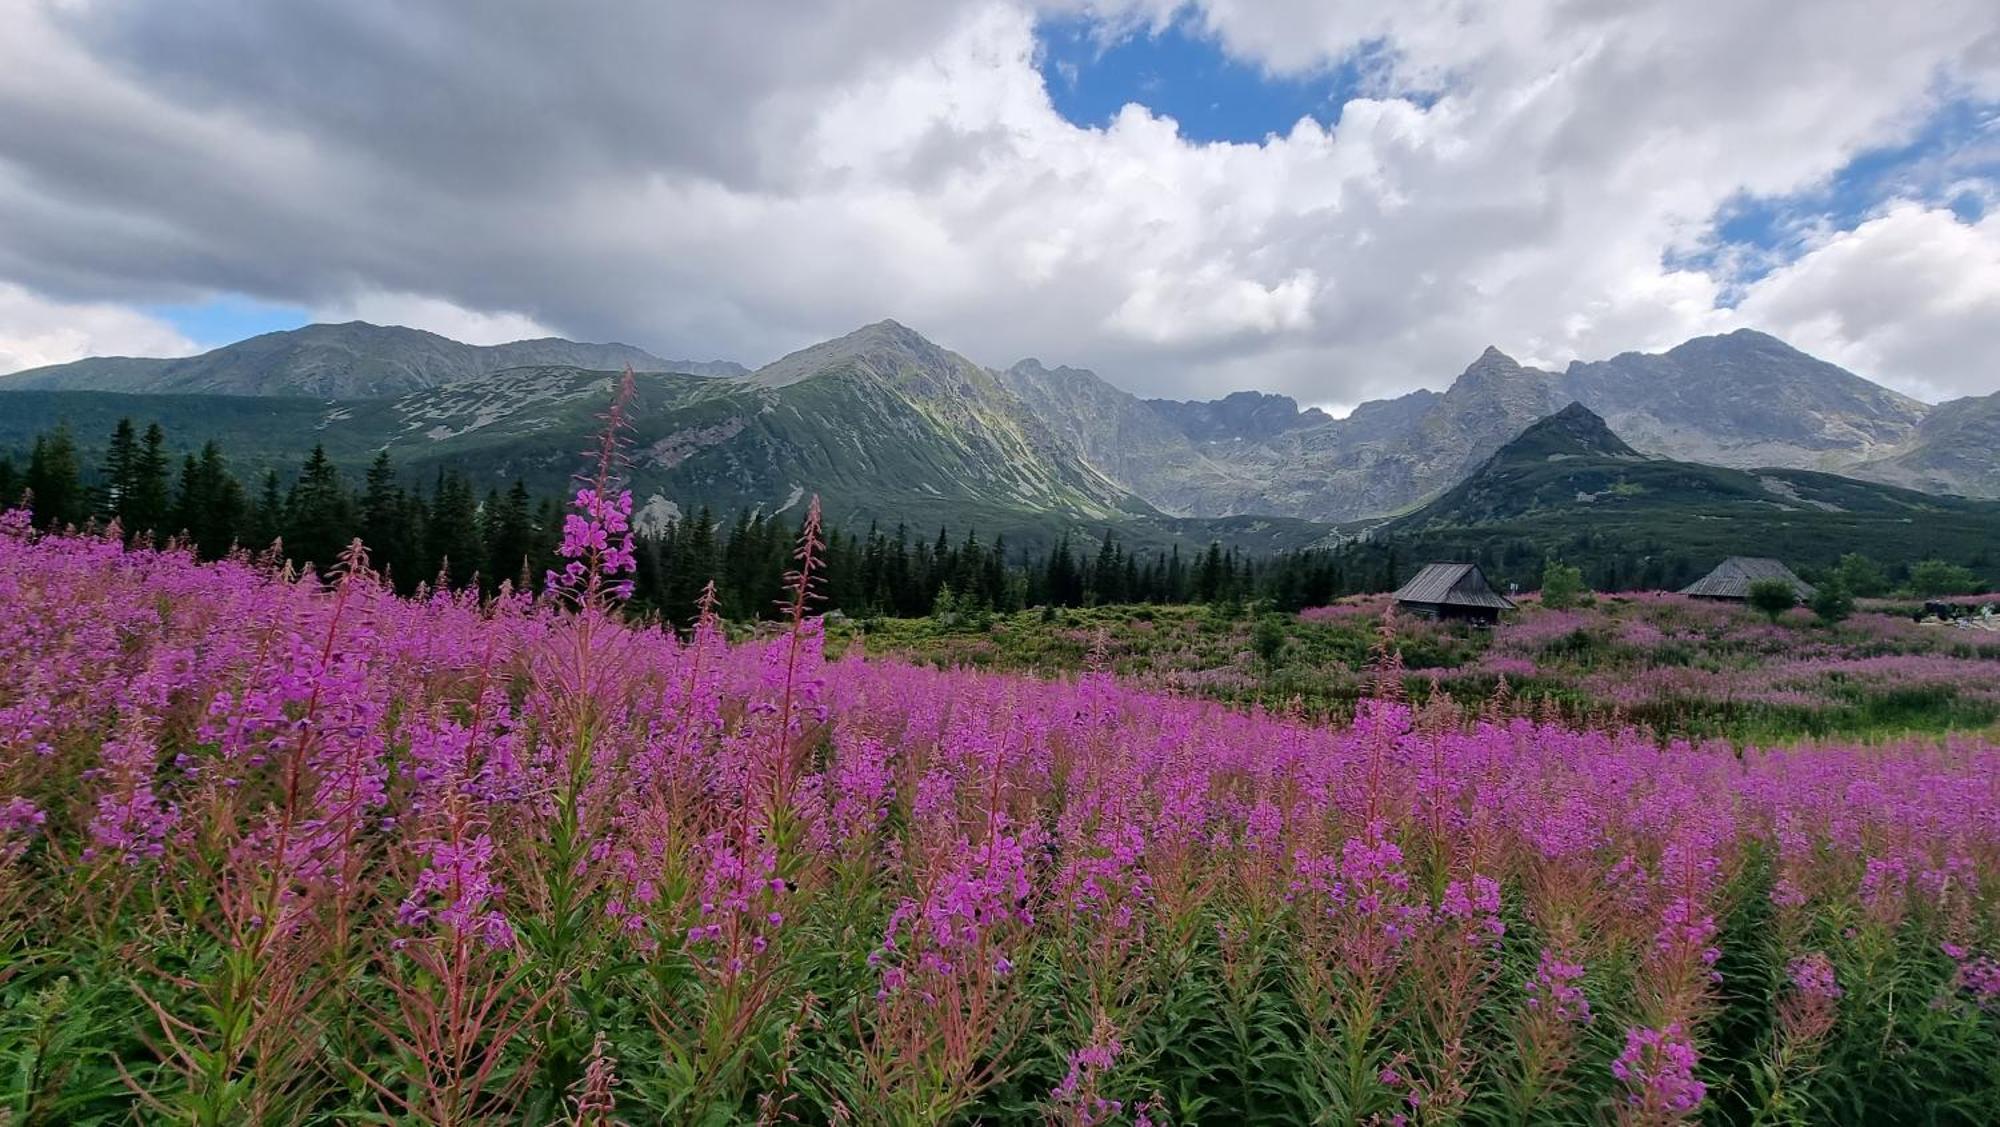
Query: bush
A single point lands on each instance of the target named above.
(1562, 585)
(1932, 578)
(1832, 602)
(1860, 576)
(1269, 640)
(1773, 597)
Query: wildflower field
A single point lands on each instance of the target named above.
(278, 850)
(1677, 666)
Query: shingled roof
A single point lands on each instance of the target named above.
(1732, 578)
(1452, 585)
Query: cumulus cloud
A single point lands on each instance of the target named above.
(435, 315)
(1911, 296)
(741, 179)
(35, 331)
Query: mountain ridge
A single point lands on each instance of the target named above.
(344, 360)
(1065, 439)
(1569, 483)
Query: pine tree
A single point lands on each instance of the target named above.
(319, 515)
(114, 488)
(145, 509)
(10, 483)
(385, 525)
(510, 534)
(55, 482)
(453, 546)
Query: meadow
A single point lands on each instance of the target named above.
(283, 849)
(1676, 666)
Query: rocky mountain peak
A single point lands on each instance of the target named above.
(885, 349)
(1238, 416)
(1574, 431)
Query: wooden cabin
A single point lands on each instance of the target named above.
(1732, 578)
(1454, 591)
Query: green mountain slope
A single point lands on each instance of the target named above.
(886, 428)
(355, 360)
(1569, 486)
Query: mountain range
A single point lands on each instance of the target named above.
(1569, 486)
(890, 427)
(354, 360)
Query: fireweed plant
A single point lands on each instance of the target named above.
(284, 848)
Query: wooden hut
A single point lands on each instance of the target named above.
(1732, 578)
(1453, 591)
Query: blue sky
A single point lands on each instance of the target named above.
(1092, 72)
(225, 318)
(1953, 161)
(1176, 72)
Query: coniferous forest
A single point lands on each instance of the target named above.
(444, 530)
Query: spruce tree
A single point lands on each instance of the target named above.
(145, 509)
(1107, 575)
(55, 482)
(267, 516)
(386, 524)
(319, 515)
(453, 546)
(209, 506)
(114, 487)
(510, 534)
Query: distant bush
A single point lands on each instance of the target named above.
(1269, 640)
(1861, 576)
(1938, 577)
(1832, 602)
(1562, 585)
(1772, 597)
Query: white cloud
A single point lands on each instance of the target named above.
(435, 315)
(35, 331)
(742, 179)
(1910, 298)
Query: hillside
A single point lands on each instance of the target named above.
(1744, 399)
(1569, 486)
(883, 425)
(1956, 449)
(355, 360)
(890, 425)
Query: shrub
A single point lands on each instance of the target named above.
(1832, 602)
(1860, 576)
(1562, 585)
(1269, 640)
(1932, 578)
(1772, 597)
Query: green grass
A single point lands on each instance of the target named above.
(1322, 668)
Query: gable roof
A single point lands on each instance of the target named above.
(1452, 584)
(1732, 578)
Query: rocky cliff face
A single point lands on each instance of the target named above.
(1956, 449)
(884, 409)
(1240, 416)
(1745, 400)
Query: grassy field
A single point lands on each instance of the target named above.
(1679, 667)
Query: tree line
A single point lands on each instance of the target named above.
(445, 532)
(448, 534)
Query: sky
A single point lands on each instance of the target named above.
(1333, 199)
